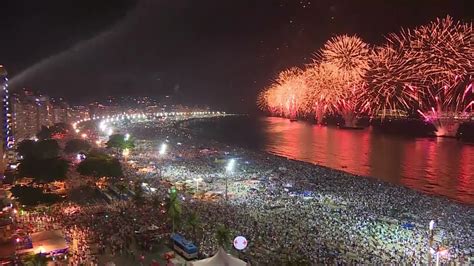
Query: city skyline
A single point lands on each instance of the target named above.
(187, 53)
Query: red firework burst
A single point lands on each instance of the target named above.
(336, 78)
(285, 96)
(429, 67)
(390, 83)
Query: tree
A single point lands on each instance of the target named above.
(44, 170)
(36, 260)
(40, 160)
(77, 145)
(46, 149)
(120, 142)
(26, 148)
(174, 208)
(223, 236)
(99, 165)
(44, 133)
(32, 196)
(193, 222)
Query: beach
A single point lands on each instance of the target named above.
(290, 210)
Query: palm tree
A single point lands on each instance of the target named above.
(223, 236)
(174, 208)
(36, 260)
(193, 222)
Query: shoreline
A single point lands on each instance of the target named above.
(347, 210)
(353, 175)
(377, 180)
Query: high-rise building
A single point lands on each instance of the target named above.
(44, 111)
(78, 112)
(7, 140)
(99, 110)
(30, 112)
(60, 112)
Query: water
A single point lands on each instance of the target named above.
(439, 166)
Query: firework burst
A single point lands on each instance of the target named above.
(336, 77)
(285, 96)
(327, 87)
(429, 68)
(444, 49)
(348, 53)
(390, 83)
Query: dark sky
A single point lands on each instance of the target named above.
(212, 52)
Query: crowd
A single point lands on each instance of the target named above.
(97, 232)
(287, 210)
(297, 211)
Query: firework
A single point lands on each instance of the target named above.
(262, 100)
(327, 86)
(292, 90)
(441, 55)
(285, 96)
(336, 77)
(348, 53)
(390, 83)
(428, 69)
(444, 49)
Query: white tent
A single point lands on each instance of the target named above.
(221, 258)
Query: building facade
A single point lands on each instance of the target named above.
(78, 112)
(60, 111)
(30, 112)
(7, 139)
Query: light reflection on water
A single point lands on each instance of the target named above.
(440, 166)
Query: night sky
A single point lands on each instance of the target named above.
(219, 53)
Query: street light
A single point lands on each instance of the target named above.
(432, 225)
(163, 148)
(162, 152)
(199, 179)
(430, 243)
(229, 169)
(103, 126)
(230, 166)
